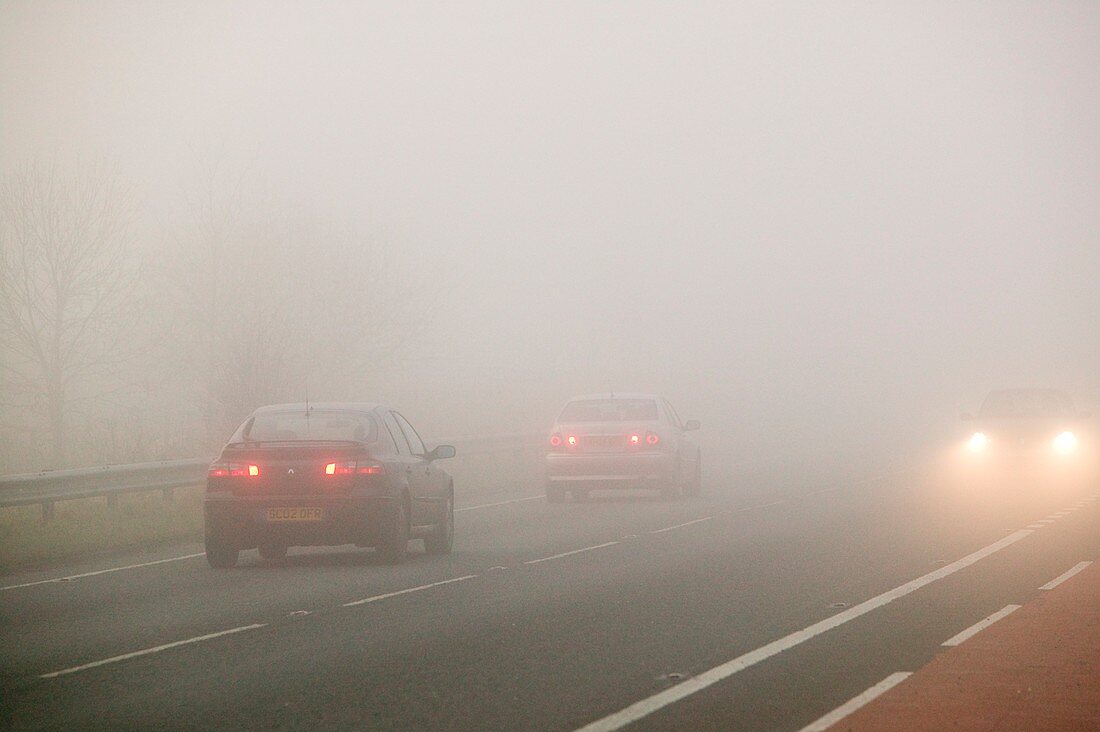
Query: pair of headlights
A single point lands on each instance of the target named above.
(1063, 444)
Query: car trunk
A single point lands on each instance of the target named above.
(294, 468)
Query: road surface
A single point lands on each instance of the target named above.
(781, 594)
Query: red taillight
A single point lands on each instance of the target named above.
(233, 470)
(555, 440)
(651, 438)
(352, 467)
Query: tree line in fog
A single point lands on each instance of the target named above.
(123, 340)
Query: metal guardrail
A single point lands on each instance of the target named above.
(48, 487)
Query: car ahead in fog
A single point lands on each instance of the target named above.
(621, 441)
(1026, 424)
(327, 474)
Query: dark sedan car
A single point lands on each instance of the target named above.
(327, 474)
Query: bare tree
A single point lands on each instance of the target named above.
(269, 303)
(68, 287)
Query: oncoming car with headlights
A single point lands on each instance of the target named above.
(1029, 424)
(327, 474)
(621, 441)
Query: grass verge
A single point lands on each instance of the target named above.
(89, 526)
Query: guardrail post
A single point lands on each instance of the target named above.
(47, 511)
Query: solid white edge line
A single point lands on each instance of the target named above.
(1065, 576)
(575, 551)
(858, 701)
(680, 526)
(980, 626)
(498, 503)
(376, 598)
(647, 706)
(147, 651)
(193, 556)
(101, 571)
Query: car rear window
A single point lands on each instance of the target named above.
(316, 426)
(610, 410)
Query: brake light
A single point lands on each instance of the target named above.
(635, 440)
(555, 440)
(233, 470)
(572, 440)
(651, 438)
(352, 467)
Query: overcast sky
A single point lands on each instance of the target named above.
(787, 214)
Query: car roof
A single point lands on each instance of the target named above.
(322, 406)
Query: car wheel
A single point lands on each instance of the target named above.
(220, 554)
(273, 552)
(442, 538)
(554, 493)
(395, 536)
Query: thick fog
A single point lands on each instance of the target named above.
(810, 226)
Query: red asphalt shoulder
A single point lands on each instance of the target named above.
(1036, 668)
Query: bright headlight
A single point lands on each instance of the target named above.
(1065, 443)
(978, 442)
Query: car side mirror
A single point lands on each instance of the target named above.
(691, 424)
(441, 452)
(966, 417)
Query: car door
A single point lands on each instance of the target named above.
(424, 475)
(685, 446)
(412, 468)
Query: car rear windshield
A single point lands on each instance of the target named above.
(1026, 404)
(298, 426)
(610, 410)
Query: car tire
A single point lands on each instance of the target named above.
(442, 538)
(273, 552)
(394, 541)
(555, 493)
(220, 554)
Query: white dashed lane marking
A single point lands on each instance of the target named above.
(101, 571)
(569, 554)
(980, 625)
(1065, 576)
(148, 651)
(376, 598)
(651, 704)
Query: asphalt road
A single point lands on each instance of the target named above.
(783, 592)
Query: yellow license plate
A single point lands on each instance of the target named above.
(295, 513)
